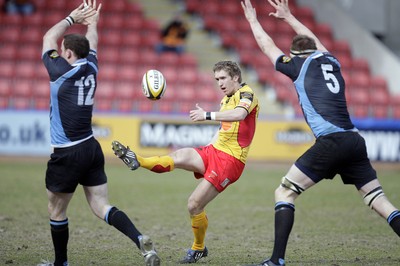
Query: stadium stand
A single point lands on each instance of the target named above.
(125, 53)
(368, 96)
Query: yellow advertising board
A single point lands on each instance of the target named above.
(274, 140)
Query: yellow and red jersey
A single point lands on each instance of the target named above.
(234, 138)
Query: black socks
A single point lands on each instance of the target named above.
(121, 221)
(60, 236)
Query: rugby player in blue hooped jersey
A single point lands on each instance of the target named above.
(339, 149)
(78, 157)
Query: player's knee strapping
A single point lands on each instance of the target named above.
(289, 184)
(373, 195)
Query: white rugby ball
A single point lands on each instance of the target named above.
(153, 84)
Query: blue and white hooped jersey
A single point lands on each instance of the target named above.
(321, 91)
(72, 90)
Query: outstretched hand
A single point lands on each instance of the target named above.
(91, 5)
(249, 11)
(281, 7)
(197, 114)
(81, 13)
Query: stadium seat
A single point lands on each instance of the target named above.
(131, 40)
(41, 104)
(10, 34)
(115, 6)
(303, 13)
(188, 76)
(378, 82)
(105, 90)
(395, 106)
(41, 89)
(55, 6)
(380, 96)
(341, 47)
(169, 59)
(133, 23)
(32, 36)
(103, 105)
(188, 60)
(165, 106)
(193, 6)
(360, 65)
(143, 106)
(244, 43)
(41, 73)
(229, 25)
(5, 92)
(125, 91)
(298, 112)
(231, 10)
(34, 20)
(185, 107)
(323, 30)
(21, 103)
(171, 75)
(283, 29)
(129, 73)
(10, 20)
(8, 51)
(210, 22)
(110, 37)
(7, 69)
(359, 111)
(108, 72)
(26, 70)
(133, 9)
(22, 88)
(185, 93)
(71, 4)
(206, 94)
(266, 75)
(4, 103)
(150, 26)
(395, 112)
(380, 111)
(358, 96)
(149, 41)
(345, 62)
(287, 95)
(360, 80)
(210, 8)
(112, 21)
(51, 18)
(108, 55)
(30, 51)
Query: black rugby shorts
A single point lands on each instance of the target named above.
(80, 164)
(342, 153)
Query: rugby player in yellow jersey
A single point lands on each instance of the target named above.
(219, 163)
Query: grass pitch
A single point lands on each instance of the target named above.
(332, 224)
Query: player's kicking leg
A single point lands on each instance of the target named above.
(125, 154)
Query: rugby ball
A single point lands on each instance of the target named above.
(153, 84)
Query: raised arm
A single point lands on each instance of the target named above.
(51, 37)
(283, 12)
(92, 21)
(264, 41)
